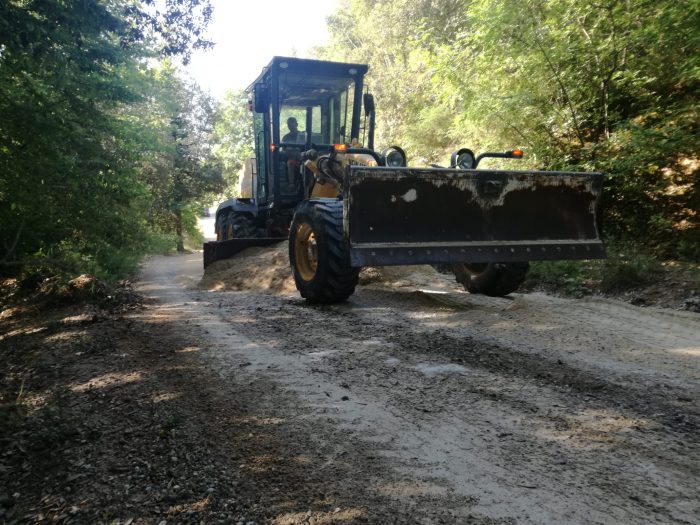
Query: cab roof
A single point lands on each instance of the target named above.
(305, 66)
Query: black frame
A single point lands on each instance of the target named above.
(270, 79)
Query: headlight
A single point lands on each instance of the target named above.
(463, 159)
(394, 157)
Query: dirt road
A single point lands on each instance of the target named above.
(420, 404)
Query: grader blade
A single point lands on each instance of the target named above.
(216, 250)
(423, 216)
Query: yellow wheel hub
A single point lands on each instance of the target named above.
(306, 251)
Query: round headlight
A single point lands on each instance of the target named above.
(463, 159)
(394, 157)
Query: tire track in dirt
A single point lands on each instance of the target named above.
(336, 468)
(498, 409)
(574, 390)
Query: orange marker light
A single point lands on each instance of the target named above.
(341, 148)
(273, 147)
(517, 153)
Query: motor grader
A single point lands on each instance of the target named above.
(344, 205)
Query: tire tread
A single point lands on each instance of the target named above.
(335, 279)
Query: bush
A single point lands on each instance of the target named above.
(652, 184)
(567, 277)
(627, 266)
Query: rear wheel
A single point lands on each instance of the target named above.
(242, 227)
(222, 226)
(494, 279)
(319, 254)
(228, 231)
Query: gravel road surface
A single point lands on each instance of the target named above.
(421, 403)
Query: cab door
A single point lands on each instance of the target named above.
(262, 148)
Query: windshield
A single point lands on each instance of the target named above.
(326, 103)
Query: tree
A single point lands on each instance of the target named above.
(608, 86)
(180, 168)
(172, 28)
(70, 190)
(233, 135)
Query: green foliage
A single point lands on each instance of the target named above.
(193, 236)
(180, 167)
(387, 35)
(176, 27)
(606, 87)
(59, 85)
(628, 266)
(84, 114)
(652, 190)
(567, 277)
(233, 136)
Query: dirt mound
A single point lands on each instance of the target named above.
(416, 277)
(267, 270)
(260, 269)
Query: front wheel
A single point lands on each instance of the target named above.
(319, 254)
(494, 279)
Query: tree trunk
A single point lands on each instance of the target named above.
(178, 230)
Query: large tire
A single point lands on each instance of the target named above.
(222, 226)
(319, 254)
(228, 226)
(243, 227)
(494, 279)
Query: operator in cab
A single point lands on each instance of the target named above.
(293, 154)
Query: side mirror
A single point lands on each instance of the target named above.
(368, 100)
(262, 98)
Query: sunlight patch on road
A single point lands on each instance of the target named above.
(32, 402)
(187, 508)
(695, 352)
(62, 337)
(216, 287)
(188, 350)
(541, 327)
(321, 354)
(262, 463)
(165, 396)
(436, 369)
(595, 429)
(107, 380)
(22, 331)
(258, 420)
(320, 518)
(411, 489)
(186, 281)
